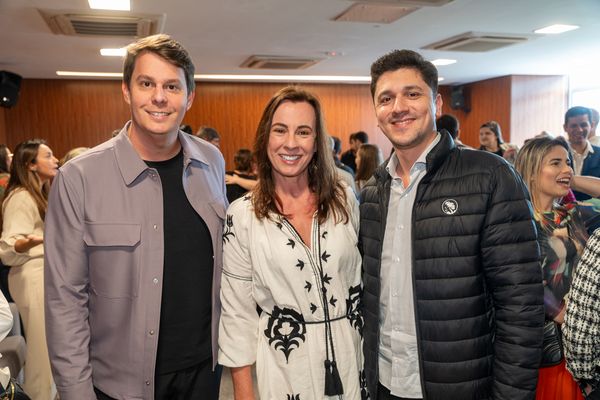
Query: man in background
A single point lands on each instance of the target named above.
(357, 139)
(133, 247)
(586, 157)
(210, 135)
(450, 123)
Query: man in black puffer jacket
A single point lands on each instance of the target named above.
(453, 296)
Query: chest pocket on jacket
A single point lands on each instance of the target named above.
(113, 258)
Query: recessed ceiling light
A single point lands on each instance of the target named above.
(440, 78)
(114, 52)
(443, 61)
(555, 29)
(122, 5)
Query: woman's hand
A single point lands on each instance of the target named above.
(27, 243)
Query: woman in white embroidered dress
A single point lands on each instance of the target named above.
(291, 275)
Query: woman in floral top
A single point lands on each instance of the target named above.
(291, 267)
(546, 169)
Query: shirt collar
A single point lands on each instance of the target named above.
(131, 164)
(421, 161)
(588, 149)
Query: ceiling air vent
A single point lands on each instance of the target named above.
(278, 62)
(66, 23)
(476, 42)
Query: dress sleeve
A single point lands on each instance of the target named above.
(238, 327)
(20, 215)
(582, 320)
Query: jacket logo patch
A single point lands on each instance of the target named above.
(450, 206)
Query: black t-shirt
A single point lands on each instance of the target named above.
(185, 317)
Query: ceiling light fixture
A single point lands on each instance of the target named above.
(250, 78)
(443, 61)
(90, 74)
(440, 78)
(114, 52)
(556, 29)
(121, 5)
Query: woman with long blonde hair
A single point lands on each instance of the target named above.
(21, 247)
(546, 169)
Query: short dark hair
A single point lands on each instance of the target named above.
(360, 136)
(207, 133)
(242, 159)
(576, 111)
(449, 123)
(165, 47)
(397, 59)
(187, 129)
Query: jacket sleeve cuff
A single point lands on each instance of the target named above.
(80, 391)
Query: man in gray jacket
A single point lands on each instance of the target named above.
(133, 247)
(453, 297)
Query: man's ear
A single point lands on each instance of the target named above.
(190, 99)
(438, 105)
(126, 94)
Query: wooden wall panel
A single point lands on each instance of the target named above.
(538, 103)
(489, 100)
(72, 113)
(67, 113)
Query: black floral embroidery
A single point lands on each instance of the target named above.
(324, 235)
(325, 256)
(285, 330)
(332, 301)
(364, 393)
(279, 225)
(293, 397)
(291, 243)
(313, 308)
(228, 231)
(246, 198)
(308, 286)
(353, 308)
(300, 265)
(327, 279)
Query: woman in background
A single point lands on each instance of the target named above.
(244, 170)
(368, 158)
(546, 169)
(490, 138)
(21, 247)
(290, 250)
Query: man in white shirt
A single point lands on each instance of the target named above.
(586, 157)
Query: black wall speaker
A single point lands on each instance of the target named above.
(459, 99)
(10, 83)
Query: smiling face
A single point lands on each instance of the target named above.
(406, 107)
(578, 128)
(554, 178)
(292, 139)
(157, 96)
(45, 164)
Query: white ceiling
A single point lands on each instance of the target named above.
(221, 34)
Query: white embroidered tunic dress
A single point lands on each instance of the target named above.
(297, 288)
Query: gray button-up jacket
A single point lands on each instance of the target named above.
(104, 252)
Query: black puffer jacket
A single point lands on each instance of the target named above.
(477, 281)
